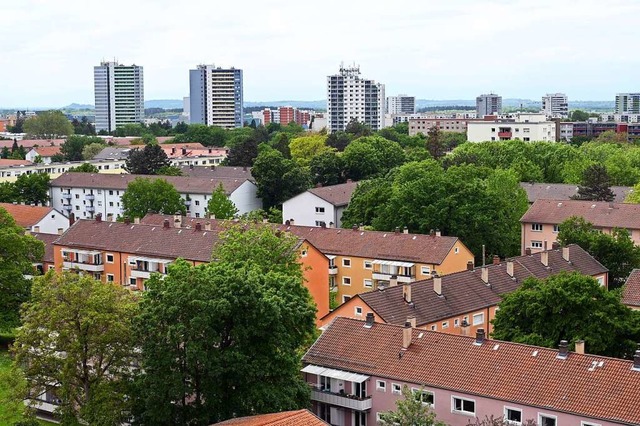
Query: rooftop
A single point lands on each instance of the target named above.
(287, 418)
(48, 240)
(562, 191)
(338, 195)
(631, 289)
(113, 153)
(599, 213)
(26, 216)
(47, 151)
(585, 385)
(225, 172)
(11, 162)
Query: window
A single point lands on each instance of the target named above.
(456, 322)
(536, 227)
(381, 385)
(583, 423)
(513, 415)
(600, 280)
(456, 250)
(536, 244)
(320, 223)
(526, 130)
(346, 281)
(77, 196)
(556, 228)
(345, 298)
(463, 405)
(423, 396)
(109, 258)
(396, 389)
(368, 264)
(132, 281)
(360, 419)
(110, 192)
(110, 203)
(51, 268)
(445, 324)
(426, 270)
(319, 210)
(547, 420)
(368, 283)
(478, 319)
(434, 327)
(358, 311)
(110, 278)
(346, 262)
(303, 253)
(197, 202)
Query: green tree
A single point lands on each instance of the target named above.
(632, 196)
(5, 152)
(156, 195)
(83, 127)
(220, 206)
(304, 148)
(18, 252)
(410, 411)
(578, 115)
(243, 153)
(327, 168)
(72, 148)
(435, 142)
(48, 125)
(571, 307)
(169, 171)
(33, 188)
(611, 136)
(595, 185)
(365, 201)
(617, 252)
(257, 317)
(280, 141)
(8, 192)
(278, 178)
(339, 140)
(91, 150)
(147, 161)
(372, 156)
(357, 129)
(84, 168)
(92, 325)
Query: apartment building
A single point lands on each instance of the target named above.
(463, 302)
(541, 223)
(46, 220)
(322, 206)
(564, 191)
(119, 95)
(351, 97)
(627, 103)
(488, 104)
(48, 262)
(126, 253)
(357, 370)
(525, 127)
(216, 96)
(555, 105)
(87, 194)
(361, 261)
(423, 125)
(401, 104)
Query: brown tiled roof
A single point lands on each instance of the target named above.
(631, 289)
(225, 172)
(5, 162)
(183, 184)
(26, 216)
(287, 418)
(338, 195)
(30, 143)
(504, 371)
(562, 191)
(464, 292)
(47, 151)
(599, 213)
(48, 240)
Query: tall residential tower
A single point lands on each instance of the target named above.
(555, 105)
(216, 96)
(628, 103)
(119, 95)
(350, 97)
(489, 104)
(401, 104)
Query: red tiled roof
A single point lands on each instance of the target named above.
(30, 143)
(504, 371)
(338, 195)
(47, 151)
(48, 240)
(183, 184)
(563, 191)
(4, 162)
(26, 216)
(600, 214)
(631, 289)
(216, 172)
(287, 418)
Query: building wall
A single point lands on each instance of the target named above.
(488, 105)
(481, 131)
(119, 95)
(422, 125)
(246, 198)
(54, 223)
(316, 275)
(457, 259)
(216, 96)
(302, 209)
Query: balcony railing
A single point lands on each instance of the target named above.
(90, 209)
(66, 196)
(89, 197)
(91, 267)
(341, 400)
(504, 134)
(333, 270)
(377, 275)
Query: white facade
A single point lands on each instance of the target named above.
(488, 104)
(351, 97)
(119, 95)
(525, 127)
(401, 104)
(555, 105)
(53, 223)
(216, 97)
(566, 131)
(307, 209)
(620, 118)
(33, 154)
(627, 103)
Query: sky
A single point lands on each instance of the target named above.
(432, 49)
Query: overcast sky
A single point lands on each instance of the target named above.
(433, 49)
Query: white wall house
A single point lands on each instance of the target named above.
(87, 194)
(40, 219)
(319, 206)
(524, 127)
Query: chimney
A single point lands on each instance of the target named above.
(544, 258)
(191, 166)
(184, 151)
(580, 347)
(244, 169)
(369, 321)
(479, 337)
(198, 226)
(565, 253)
(265, 220)
(207, 226)
(126, 220)
(470, 265)
(527, 251)
(438, 233)
(563, 349)
(397, 230)
(98, 217)
(165, 225)
(406, 335)
(60, 231)
(177, 220)
(136, 220)
(330, 224)
(496, 259)
(412, 320)
(437, 285)
(510, 268)
(393, 281)
(292, 222)
(485, 275)
(432, 233)
(405, 230)
(173, 150)
(361, 227)
(406, 292)
(555, 245)
(354, 227)
(72, 219)
(636, 360)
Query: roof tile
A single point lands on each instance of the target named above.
(287, 418)
(599, 213)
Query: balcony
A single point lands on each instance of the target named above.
(504, 134)
(139, 273)
(382, 276)
(333, 270)
(66, 196)
(67, 207)
(351, 402)
(89, 197)
(90, 209)
(83, 266)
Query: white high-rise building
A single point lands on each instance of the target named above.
(119, 95)
(628, 103)
(401, 104)
(555, 105)
(489, 104)
(216, 96)
(351, 97)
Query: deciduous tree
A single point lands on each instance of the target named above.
(84, 168)
(372, 156)
(410, 411)
(33, 188)
(156, 195)
(147, 161)
(72, 148)
(595, 185)
(91, 150)
(327, 168)
(220, 206)
(278, 178)
(304, 148)
(48, 125)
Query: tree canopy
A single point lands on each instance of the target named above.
(595, 185)
(84, 168)
(278, 178)
(48, 125)
(411, 410)
(72, 148)
(147, 161)
(220, 206)
(372, 156)
(156, 195)
(32, 188)
(304, 148)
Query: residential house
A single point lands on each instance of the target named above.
(541, 223)
(128, 253)
(321, 206)
(286, 418)
(357, 370)
(526, 127)
(86, 194)
(563, 191)
(631, 290)
(46, 220)
(361, 261)
(463, 302)
(45, 153)
(215, 172)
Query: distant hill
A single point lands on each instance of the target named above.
(297, 104)
(164, 103)
(78, 106)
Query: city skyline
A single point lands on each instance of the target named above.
(436, 51)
